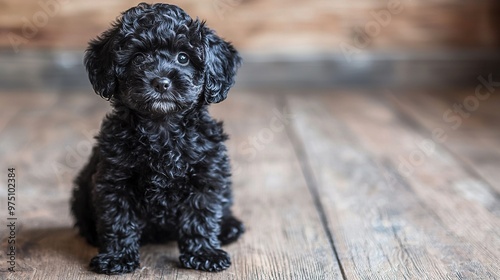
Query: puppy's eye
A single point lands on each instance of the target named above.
(182, 58)
(139, 57)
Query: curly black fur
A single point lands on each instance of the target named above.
(159, 170)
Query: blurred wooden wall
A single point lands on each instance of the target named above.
(273, 26)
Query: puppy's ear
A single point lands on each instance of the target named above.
(221, 63)
(100, 65)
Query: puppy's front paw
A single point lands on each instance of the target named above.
(116, 263)
(212, 261)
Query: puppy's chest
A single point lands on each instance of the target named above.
(169, 158)
(165, 175)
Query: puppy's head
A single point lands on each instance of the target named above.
(158, 60)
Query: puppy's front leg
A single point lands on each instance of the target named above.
(117, 225)
(199, 227)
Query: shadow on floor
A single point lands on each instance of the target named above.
(38, 248)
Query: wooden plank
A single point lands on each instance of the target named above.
(386, 225)
(55, 132)
(473, 137)
(285, 238)
(13, 102)
(35, 139)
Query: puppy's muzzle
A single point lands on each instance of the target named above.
(161, 85)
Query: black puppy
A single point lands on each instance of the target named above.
(159, 170)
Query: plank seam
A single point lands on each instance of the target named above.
(299, 150)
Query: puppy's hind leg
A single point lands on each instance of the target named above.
(231, 228)
(81, 202)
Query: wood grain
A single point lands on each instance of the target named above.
(284, 240)
(472, 137)
(425, 225)
(259, 26)
(331, 185)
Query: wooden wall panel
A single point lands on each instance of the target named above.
(257, 26)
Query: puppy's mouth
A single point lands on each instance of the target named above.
(159, 104)
(164, 105)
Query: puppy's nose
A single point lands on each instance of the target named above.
(161, 85)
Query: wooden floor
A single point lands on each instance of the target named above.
(340, 184)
